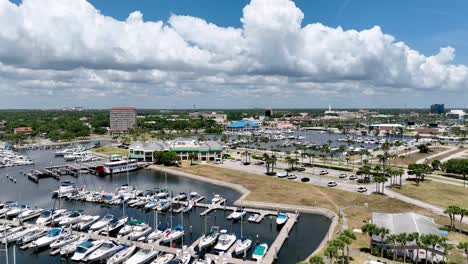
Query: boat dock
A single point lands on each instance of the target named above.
(72, 169)
(269, 258)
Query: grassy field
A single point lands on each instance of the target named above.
(413, 157)
(111, 150)
(436, 193)
(269, 189)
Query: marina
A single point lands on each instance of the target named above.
(262, 230)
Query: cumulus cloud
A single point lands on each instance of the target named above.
(68, 45)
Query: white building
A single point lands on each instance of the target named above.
(456, 114)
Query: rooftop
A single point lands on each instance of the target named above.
(123, 108)
(405, 223)
(242, 123)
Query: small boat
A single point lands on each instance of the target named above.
(114, 226)
(238, 214)
(69, 249)
(19, 235)
(85, 249)
(243, 246)
(65, 240)
(139, 232)
(102, 223)
(142, 256)
(174, 235)
(53, 235)
(216, 199)
(133, 223)
(33, 236)
(10, 232)
(70, 219)
(281, 219)
(260, 251)
(162, 231)
(253, 217)
(194, 194)
(122, 256)
(186, 257)
(15, 211)
(181, 197)
(65, 188)
(225, 241)
(162, 194)
(29, 213)
(46, 216)
(106, 250)
(87, 221)
(209, 239)
(163, 259)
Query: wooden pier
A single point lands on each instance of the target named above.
(71, 169)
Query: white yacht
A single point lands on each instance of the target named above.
(164, 259)
(140, 232)
(65, 240)
(281, 219)
(225, 241)
(65, 188)
(216, 199)
(87, 221)
(142, 256)
(70, 248)
(243, 246)
(260, 251)
(174, 235)
(15, 211)
(106, 250)
(238, 214)
(118, 167)
(122, 256)
(70, 219)
(46, 216)
(85, 249)
(53, 235)
(114, 226)
(102, 223)
(210, 238)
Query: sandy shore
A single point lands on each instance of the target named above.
(263, 205)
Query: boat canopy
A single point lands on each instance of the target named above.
(136, 221)
(55, 231)
(179, 227)
(87, 244)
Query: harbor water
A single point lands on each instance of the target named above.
(303, 240)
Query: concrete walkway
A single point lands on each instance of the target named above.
(433, 156)
(456, 155)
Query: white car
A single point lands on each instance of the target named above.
(342, 176)
(323, 172)
(353, 177)
(362, 189)
(332, 184)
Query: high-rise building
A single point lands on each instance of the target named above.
(268, 112)
(437, 109)
(122, 119)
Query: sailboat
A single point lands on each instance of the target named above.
(210, 238)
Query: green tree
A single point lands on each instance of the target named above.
(191, 157)
(382, 233)
(463, 245)
(392, 239)
(423, 148)
(370, 229)
(403, 238)
(316, 260)
(347, 236)
(169, 158)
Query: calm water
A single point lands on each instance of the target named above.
(304, 238)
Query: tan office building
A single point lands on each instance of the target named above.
(122, 119)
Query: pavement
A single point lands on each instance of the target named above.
(423, 160)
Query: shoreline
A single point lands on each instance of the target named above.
(263, 205)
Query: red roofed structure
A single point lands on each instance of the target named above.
(23, 130)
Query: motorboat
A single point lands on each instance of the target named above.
(253, 217)
(243, 246)
(162, 194)
(10, 232)
(163, 259)
(33, 236)
(163, 205)
(130, 225)
(151, 204)
(209, 239)
(186, 257)
(70, 219)
(260, 251)
(122, 256)
(7, 207)
(46, 216)
(65, 188)
(17, 211)
(70, 248)
(225, 241)
(114, 226)
(139, 232)
(106, 250)
(216, 199)
(181, 197)
(85, 249)
(142, 256)
(53, 235)
(238, 214)
(176, 233)
(29, 213)
(65, 240)
(102, 223)
(161, 231)
(194, 195)
(20, 234)
(281, 219)
(87, 221)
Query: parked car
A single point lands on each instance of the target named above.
(305, 179)
(292, 177)
(323, 172)
(342, 176)
(282, 174)
(332, 184)
(362, 189)
(259, 163)
(300, 169)
(353, 177)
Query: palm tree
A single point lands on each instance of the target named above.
(191, 157)
(447, 247)
(273, 163)
(464, 246)
(382, 232)
(331, 251)
(347, 236)
(392, 239)
(370, 229)
(266, 158)
(417, 240)
(403, 238)
(340, 245)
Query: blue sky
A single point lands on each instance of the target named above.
(63, 52)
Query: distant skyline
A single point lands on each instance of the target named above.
(171, 54)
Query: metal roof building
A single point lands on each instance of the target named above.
(405, 223)
(243, 125)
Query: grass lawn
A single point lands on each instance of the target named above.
(413, 157)
(436, 193)
(111, 150)
(270, 189)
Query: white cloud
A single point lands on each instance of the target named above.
(68, 45)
